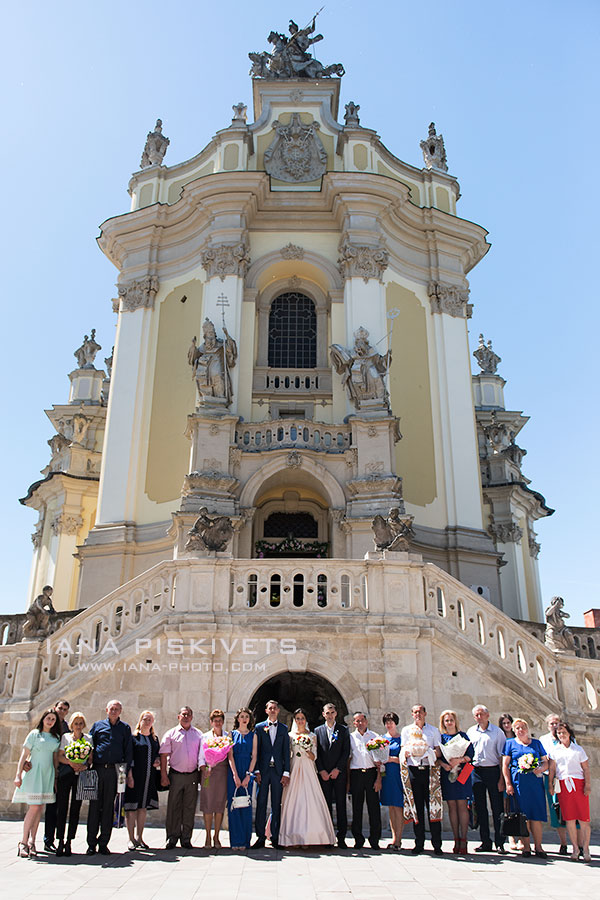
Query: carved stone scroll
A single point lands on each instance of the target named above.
(139, 294)
(450, 299)
(356, 260)
(226, 259)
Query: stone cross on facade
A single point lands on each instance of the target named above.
(222, 302)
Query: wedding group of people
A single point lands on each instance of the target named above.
(301, 776)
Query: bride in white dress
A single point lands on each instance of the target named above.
(305, 819)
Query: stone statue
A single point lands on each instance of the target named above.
(211, 364)
(240, 114)
(290, 57)
(155, 148)
(37, 624)
(296, 153)
(351, 115)
(434, 152)
(363, 370)
(108, 362)
(393, 533)
(486, 358)
(210, 533)
(86, 354)
(558, 637)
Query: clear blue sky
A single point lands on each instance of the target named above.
(513, 88)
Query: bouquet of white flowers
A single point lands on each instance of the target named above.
(455, 748)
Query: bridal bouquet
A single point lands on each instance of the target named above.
(379, 748)
(215, 751)
(78, 751)
(527, 763)
(455, 748)
(304, 742)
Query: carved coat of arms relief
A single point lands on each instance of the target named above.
(296, 153)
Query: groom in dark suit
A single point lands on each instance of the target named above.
(333, 752)
(272, 772)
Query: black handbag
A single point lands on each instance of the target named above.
(513, 824)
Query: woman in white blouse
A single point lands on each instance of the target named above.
(569, 764)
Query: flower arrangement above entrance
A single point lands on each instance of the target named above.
(291, 547)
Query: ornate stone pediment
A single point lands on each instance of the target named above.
(226, 259)
(139, 294)
(356, 260)
(448, 298)
(296, 153)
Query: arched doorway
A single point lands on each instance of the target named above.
(298, 689)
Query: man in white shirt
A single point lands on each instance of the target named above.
(549, 742)
(488, 741)
(419, 772)
(365, 783)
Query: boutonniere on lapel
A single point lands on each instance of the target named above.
(334, 737)
(266, 728)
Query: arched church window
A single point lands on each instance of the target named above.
(298, 525)
(292, 332)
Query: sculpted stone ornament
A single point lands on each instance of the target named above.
(139, 294)
(558, 637)
(487, 360)
(226, 259)
(37, 625)
(86, 354)
(356, 260)
(434, 152)
(210, 533)
(393, 533)
(292, 251)
(351, 115)
(108, 362)
(64, 523)
(447, 298)
(290, 58)
(240, 114)
(156, 147)
(296, 153)
(506, 532)
(211, 364)
(499, 436)
(363, 370)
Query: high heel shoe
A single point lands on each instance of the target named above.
(463, 848)
(32, 850)
(22, 850)
(217, 843)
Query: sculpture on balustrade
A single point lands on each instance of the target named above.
(290, 57)
(363, 370)
(211, 364)
(487, 359)
(558, 637)
(155, 147)
(37, 625)
(86, 354)
(393, 533)
(210, 533)
(434, 152)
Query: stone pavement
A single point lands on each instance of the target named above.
(322, 875)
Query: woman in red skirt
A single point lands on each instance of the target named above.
(569, 764)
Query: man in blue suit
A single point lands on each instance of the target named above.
(272, 772)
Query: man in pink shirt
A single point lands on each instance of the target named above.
(181, 746)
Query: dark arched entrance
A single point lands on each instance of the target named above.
(298, 689)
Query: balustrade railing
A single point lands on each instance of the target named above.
(289, 433)
(309, 382)
(290, 585)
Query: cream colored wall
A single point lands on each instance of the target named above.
(246, 348)
(410, 392)
(415, 192)
(173, 393)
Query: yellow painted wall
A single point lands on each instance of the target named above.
(146, 194)
(173, 393)
(415, 193)
(176, 187)
(442, 200)
(360, 156)
(410, 392)
(231, 156)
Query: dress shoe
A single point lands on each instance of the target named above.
(104, 851)
(417, 850)
(90, 851)
(484, 848)
(170, 845)
(359, 843)
(275, 845)
(501, 848)
(67, 848)
(60, 850)
(258, 844)
(187, 845)
(49, 847)
(342, 844)
(438, 851)
(374, 845)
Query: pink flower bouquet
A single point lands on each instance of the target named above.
(215, 751)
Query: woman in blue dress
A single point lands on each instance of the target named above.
(36, 787)
(391, 793)
(242, 760)
(456, 794)
(526, 787)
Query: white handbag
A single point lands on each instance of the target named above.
(241, 801)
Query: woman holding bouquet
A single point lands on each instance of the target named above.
(523, 764)
(144, 793)
(35, 787)
(74, 756)
(305, 819)
(214, 751)
(456, 793)
(391, 794)
(242, 761)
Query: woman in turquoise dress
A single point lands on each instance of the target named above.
(36, 787)
(456, 794)
(391, 794)
(242, 760)
(526, 787)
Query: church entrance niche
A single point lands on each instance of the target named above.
(298, 689)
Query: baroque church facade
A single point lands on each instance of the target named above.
(286, 481)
